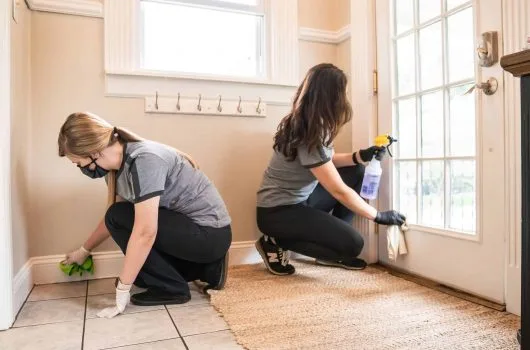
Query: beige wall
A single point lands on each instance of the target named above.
(20, 128)
(67, 76)
(324, 14)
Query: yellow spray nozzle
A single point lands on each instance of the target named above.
(385, 141)
(382, 140)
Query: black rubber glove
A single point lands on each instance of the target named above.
(369, 153)
(390, 218)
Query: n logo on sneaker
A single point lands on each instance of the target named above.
(273, 257)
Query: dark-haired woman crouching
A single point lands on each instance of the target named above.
(309, 194)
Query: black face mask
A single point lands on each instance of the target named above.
(94, 174)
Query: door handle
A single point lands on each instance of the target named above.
(489, 87)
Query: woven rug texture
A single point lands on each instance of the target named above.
(331, 308)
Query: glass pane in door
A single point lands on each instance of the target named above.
(432, 125)
(462, 202)
(432, 193)
(406, 190)
(461, 48)
(406, 65)
(404, 10)
(462, 122)
(431, 62)
(451, 4)
(407, 128)
(428, 9)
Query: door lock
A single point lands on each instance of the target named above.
(487, 49)
(489, 87)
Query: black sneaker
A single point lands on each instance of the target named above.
(221, 275)
(275, 258)
(154, 297)
(352, 264)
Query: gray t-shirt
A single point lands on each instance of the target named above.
(291, 182)
(152, 169)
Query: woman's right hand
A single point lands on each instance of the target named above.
(78, 256)
(389, 218)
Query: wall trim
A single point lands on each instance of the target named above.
(87, 8)
(324, 36)
(22, 285)
(44, 269)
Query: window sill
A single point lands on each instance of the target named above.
(143, 83)
(445, 232)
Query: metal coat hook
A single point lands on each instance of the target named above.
(178, 101)
(258, 110)
(156, 100)
(199, 108)
(239, 109)
(219, 108)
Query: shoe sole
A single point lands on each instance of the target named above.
(334, 264)
(265, 260)
(156, 303)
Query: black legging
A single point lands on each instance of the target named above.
(183, 251)
(309, 228)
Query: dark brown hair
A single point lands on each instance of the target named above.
(320, 109)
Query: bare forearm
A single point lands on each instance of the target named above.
(351, 200)
(341, 160)
(97, 237)
(138, 248)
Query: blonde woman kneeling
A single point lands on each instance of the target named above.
(165, 214)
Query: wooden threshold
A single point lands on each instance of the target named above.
(439, 287)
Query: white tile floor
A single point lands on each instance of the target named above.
(63, 316)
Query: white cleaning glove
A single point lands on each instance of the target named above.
(78, 256)
(123, 296)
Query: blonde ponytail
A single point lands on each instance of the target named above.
(85, 134)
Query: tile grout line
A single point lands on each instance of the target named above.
(42, 324)
(84, 319)
(38, 301)
(149, 342)
(23, 304)
(174, 324)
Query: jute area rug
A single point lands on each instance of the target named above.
(331, 308)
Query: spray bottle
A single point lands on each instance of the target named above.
(372, 173)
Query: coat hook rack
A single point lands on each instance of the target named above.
(219, 105)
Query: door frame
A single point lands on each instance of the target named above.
(6, 245)
(363, 85)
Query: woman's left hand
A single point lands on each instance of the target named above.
(123, 296)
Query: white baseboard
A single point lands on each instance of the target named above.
(243, 253)
(22, 285)
(45, 269)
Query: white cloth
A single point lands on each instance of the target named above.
(396, 243)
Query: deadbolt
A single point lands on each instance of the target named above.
(487, 50)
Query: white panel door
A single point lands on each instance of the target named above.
(447, 175)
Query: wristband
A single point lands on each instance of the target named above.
(354, 158)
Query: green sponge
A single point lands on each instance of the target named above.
(72, 269)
